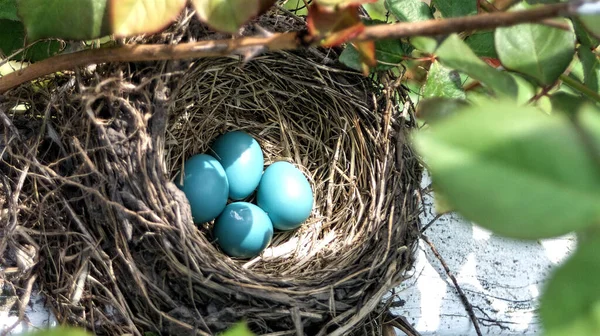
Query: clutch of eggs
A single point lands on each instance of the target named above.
(234, 171)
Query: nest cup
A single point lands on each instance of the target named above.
(114, 245)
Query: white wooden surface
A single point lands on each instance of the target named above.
(501, 277)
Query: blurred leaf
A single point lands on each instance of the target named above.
(342, 3)
(60, 331)
(296, 6)
(443, 82)
(8, 10)
(566, 103)
(583, 36)
(239, 329)
(591, 68)
(513, 170)
(537, 50)
(376, 10)
(440, 203)
(570, 304)
(455, 8)
(12, 38)
(337, 26)
(592, 24)
(409, 10)
(454, 53)
(526, 89)
(229, 15)
(589, 121)
(438, 108)
(576, 70)
(589, 14)
(412, 11)
(11, 66)
(64, 19)
(389, 53)
(544, 104)
(482, 44)
(132, 17)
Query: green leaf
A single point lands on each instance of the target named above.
(570, 304)
(589, 122)
(12, 38)
(455, 8)
(526, 90)
(482, 44)
(438, 108)
(409, 10)
(592, 24)
(591, 68)
(389, 53)
(340, 3)
(589, 14)
(64, 19)
(454, 53)
(239, 329)
(566, 103)
(514, 170)
(413, 11)
(60, 331)
(376, 10)
(229, 15)
(583, 36)
(8, 10)
(443, 82)
(297, 7)
(537, 50)
(132, 17)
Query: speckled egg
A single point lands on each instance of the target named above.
(243, 230)
(285, 195)
(205, 185)
(243, 161)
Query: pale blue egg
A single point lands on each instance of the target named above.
(243, 160)
(243, 230)
(285, 195)
(206, 187)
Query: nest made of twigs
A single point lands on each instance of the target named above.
(87, 167)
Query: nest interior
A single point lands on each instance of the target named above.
(92, 214)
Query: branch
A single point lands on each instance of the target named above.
(578, 86)
(280, 41)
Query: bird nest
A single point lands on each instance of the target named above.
(92, 213)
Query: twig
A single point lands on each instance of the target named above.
(23, 302)
(279, 41)
(424, 228)
(461, 294)
(576, 85)
(401, 323)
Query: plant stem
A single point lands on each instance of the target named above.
(278, 41)
(577, 85)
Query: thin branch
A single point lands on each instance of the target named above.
(578, 86)
(461, 294)
(291, 40)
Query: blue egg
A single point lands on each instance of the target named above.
(243, 160)
(243, 230)
(205, 185)
(285, 195)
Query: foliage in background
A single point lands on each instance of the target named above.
(510, 116)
